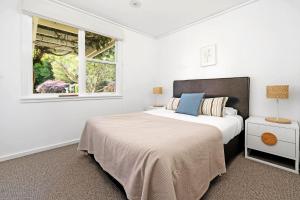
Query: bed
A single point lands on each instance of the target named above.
(165, 155)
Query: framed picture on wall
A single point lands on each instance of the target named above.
(208, 55)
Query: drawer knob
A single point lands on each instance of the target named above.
(269, 138)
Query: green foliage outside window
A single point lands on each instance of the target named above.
(108, 55)
(42, 71)
(99, 76)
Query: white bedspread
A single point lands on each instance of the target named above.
(230, 125)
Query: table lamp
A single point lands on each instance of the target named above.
(157, 91)
(278, 92)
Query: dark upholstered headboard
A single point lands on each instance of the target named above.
(237, 89)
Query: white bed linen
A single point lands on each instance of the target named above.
(229, 125)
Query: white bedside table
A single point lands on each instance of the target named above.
(154, 107)
(285, 138)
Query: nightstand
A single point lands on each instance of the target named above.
(272, 143)
(154, 107)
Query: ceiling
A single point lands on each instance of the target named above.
(155, 17)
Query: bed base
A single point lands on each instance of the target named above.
(234, 147)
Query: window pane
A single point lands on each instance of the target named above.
(101, 77)
(99, 47)
(100, 63)
(55, 57)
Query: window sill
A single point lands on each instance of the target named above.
(56, 98)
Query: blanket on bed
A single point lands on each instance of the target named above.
(156, 158)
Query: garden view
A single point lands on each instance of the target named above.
(56, 62)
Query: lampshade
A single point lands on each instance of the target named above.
(278, 91)
(157, 90)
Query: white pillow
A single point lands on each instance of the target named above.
(173, 103)
(230, 111)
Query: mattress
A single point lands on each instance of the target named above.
(229, 125)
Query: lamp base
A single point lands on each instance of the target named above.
(278, 120)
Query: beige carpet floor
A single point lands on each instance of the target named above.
(65, 174)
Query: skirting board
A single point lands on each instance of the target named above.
(37, 150)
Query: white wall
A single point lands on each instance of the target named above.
(24, 127)
(260, 40)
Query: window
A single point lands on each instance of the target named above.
(67, 60)
(100, 63)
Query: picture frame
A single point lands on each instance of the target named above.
(208, 55)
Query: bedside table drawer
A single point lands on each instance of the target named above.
(282, 134)
(281, 148)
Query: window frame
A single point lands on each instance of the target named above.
(27, 68)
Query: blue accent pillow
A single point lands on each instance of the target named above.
(189, 103)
